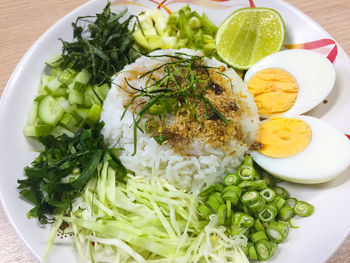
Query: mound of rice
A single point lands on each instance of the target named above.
(205, 164)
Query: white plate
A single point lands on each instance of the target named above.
(318, 236)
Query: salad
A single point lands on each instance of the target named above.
(82, 186)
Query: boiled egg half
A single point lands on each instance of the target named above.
(290, 82)
(301, 149)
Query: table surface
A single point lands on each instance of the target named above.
(21, 24)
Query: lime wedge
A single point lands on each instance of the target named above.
(248, 35)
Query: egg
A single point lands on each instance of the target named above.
(326, 155)
(290, 82)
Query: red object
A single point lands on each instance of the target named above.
(347, 135)
(251, 3)
(162, 3)
(317, 44)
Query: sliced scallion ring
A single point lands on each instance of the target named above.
(277, 231)
(263, 249)
(246, 172)
(221, 213)
(257, 236)
(303, 208)
(286, 213)
(232, 179)
(250, 197)
(282, 192)
(268, 194)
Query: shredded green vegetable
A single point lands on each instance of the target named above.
(140, 220)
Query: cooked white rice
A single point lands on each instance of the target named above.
(205, 165)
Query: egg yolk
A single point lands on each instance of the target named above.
(283, 137)
(274, 91)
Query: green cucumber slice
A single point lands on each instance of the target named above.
(36, 130)
(93, 115)
(50, 111)
(54, 61)
(33, 114)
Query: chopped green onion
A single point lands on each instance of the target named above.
(253, 185)
(258, 226)
(207, 191)
(204, 211)
(286, 213)
(263, 249)
(221, 213)
(232, 179)
(258, 206)
(248, 160)
(260, 235)
(282, 192)
(252, 252)
(231, 193)
(291, 202)
(277, 231)
(250, 197)
(267, 214)
(242, 219)
(213, 203)
(268, 194)
(217, 195)
(228, 211)
(246, 172)
(279, 202)
(219, 188)
(273, 208)
(303, 208)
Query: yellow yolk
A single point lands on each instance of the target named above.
(274, 91)
(283, 137)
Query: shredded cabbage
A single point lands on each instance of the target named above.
(143, 221)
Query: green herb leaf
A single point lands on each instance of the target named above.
(49, 185)
(99, 47)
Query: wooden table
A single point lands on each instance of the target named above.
(23, 21)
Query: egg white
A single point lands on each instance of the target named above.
(313, 72)
(326, 156)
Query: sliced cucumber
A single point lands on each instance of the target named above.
(93, 115)
(60, 92)
(83, 77)
(55, 72)
(102, 91)
(90, 98)
(75, 97)
(50, 111)
(81, 113)
(53, 85)
(59, 130)
(65, 104)
(37, 130)
(70, 122)
(33, 114)
(54, 61)
(67, 76)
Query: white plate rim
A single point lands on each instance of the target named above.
(13, 78)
